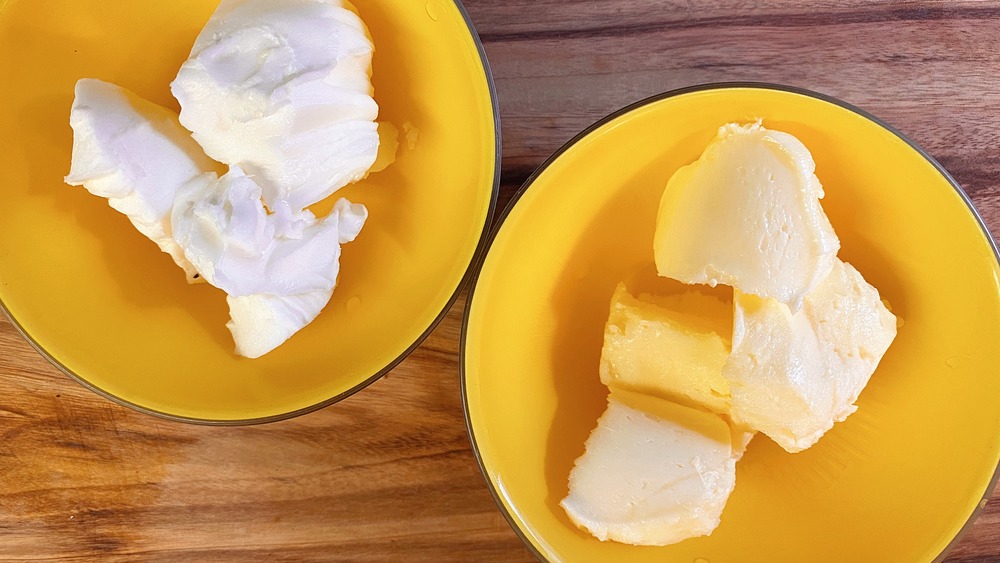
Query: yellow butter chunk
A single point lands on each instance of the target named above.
(653, 473)
(793, 375)
(673, 348)
(747, 214)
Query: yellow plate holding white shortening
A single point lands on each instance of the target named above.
(109, 308)
(896, 482)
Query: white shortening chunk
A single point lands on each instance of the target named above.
(747, 214)
(279, 274)
(793, 375)
(260, 323)
(136, 154)
(282, 89)
(654, 473)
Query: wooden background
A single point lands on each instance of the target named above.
(388, 474)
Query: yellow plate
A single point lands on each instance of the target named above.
(105, 305)
(896, 482)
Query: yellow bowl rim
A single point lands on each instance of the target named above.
(470, 298)
(470, 274)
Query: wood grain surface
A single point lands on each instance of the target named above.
(388, 474)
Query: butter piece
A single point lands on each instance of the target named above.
(654, 473)
(747, 214)
(793, 375)
(282, 89)
(673, 349)
(136, 154)
(279, 273)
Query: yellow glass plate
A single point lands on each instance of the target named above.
(896, 482)
(108, 307)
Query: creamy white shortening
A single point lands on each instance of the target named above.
(282, 89)
(277, 280)
(134, 153)
(278, 90)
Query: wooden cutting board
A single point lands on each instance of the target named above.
(388, 474)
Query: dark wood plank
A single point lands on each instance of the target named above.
(388, 474)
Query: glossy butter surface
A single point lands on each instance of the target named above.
(747, 213)
(672, 348)
(654, 473)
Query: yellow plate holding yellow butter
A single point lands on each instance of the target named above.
(897, 481)
(108, 307)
